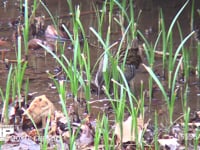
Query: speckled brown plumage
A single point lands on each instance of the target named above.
(132, 62)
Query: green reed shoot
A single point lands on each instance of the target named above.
(122, 15)
(150, 54)
(122, 7)
(170, 102)
(97, 136)
(186, 113)
(133, 110)
(74, 81)
(152, 50)
(100, 15)
(170, 65)
(158, 82)
(186, 127)
(79, 59)
(121, 93)
(126, 87)
(171, 81)
(50, 14)
(33, 122)
(134, 127)
(105, 131)
(164, 43)
(26, 29)
(167, 42)
(105, 62)
(196, 139)
(84, 57)
(102, 129)
(170, 42)
(33, 10)
(35, 5)
(132, 17)
(61, 87)
(115, 77)
(69, 2)
(173, 93)
(119, 106)
(62, 96)
(105, 44)
(13, 88)
(180, 47)
(19, 69)
(44, 139)
(175, 57)
(69, 70)
(114, 62)
(107, 51)
(120, 90)
(86, 63)
(6, 97)
(141, 112)
(75, 75)
(142, 99)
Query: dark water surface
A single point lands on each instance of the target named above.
(39, 62)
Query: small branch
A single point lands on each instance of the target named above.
(13, 61)
(103, 100)
(160, 54)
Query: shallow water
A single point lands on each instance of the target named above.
(40, 62)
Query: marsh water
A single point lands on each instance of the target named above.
(40, 62)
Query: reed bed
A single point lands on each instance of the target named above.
(80, 66)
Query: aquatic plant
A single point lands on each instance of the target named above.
(123, 100)
(5, 97)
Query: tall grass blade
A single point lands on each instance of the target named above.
(6, 97)
(150, 71)
(175, 19)
(180, 47)
(26, 29)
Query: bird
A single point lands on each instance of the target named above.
(129, 56)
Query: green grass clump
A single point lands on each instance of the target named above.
(171, 63)
(6, 97)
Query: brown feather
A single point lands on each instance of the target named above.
(132, 62)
